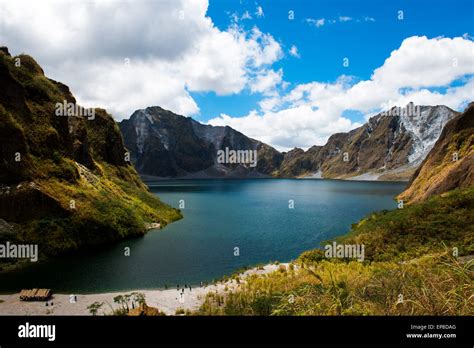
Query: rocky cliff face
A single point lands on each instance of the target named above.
(64, 180)
(163, 144)
(450, 164)
(389, 146)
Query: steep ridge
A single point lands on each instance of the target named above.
(65, 182)
(163, 144)
(450, 164)
(390, 146)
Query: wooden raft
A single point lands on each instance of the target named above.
(35, 295)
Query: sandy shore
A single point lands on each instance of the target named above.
(167, 301)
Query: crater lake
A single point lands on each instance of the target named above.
(227, 225)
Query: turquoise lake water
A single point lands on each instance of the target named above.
(219, 216)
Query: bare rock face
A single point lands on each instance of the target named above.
(390, 146)
(163, 144)
(450, 164)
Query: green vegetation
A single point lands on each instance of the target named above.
(64, 181)
(181, 311)
(441, 222)
(410, 268)
(449, 164)
(104, 211)
(128, 302)
(94, 307)
(133, 304)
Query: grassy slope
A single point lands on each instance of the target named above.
(438, 172)
(111, 202)
(408, 252)
(105, 211)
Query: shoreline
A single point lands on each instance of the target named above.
(156, 181)
(167, 301)
(25, 263)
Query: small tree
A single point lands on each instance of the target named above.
(128, 300)
(94, 307)
(121, 301)
(138, 297)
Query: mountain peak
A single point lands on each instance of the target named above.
(164, 144)
(389, 146)
(450, 164)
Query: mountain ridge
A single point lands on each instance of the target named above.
(65, 182)
(164, 144)
(450, 163)
(390, 146)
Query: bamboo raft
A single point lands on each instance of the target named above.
(35, 295)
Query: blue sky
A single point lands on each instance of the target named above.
(365, 42)
(246, 64)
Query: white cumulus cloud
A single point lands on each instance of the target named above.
(294, 51)
(266, 81)
(421, 70)
(125, 55)
(259, 13)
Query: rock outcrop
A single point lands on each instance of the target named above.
(450, 164)
(390, 146)
(163, 144)
(65, 182)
